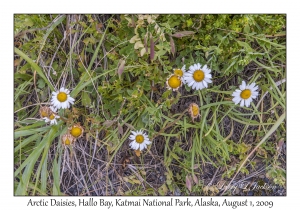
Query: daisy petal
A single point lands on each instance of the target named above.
(242, 102)
(207, 80)
(142, 146)
(207, 76)
(254, 88)
(195, 86)
(191, 83)
(201, 85)
(236, 94)
(147, 142)
(247, 103)
(243, 85)
(252, 85)
(236, 100)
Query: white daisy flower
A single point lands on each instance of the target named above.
(139, 140)
(173, 82)
(245, 94)
(62, 99)
(198, 77)
(53, 109)
(52, 119)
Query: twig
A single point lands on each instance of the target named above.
(94, 87)
(94, 152)
(282, 117)
(32, 30)
(250, 176)
(87, 172)
(34, 81)
(63, 166)
(170, 124)
(151, 90)
(30, 106)
(57, 49)
(215, 174)
(78, 166)
(110, 51)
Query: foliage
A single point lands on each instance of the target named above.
(117, 66)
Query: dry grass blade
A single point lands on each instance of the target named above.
(272, 130)
(121, 67)
(182, 34)
(117, 68)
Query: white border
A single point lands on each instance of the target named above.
(117, 6)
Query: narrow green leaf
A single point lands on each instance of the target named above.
(35, 67)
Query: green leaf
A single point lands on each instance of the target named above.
(35, 67)
(41, 83)
(28, 22)
(82, 82)
(246, 46)
(25, 77)
(189, 22)
(56, 176)
(246, 29)
(86, 99)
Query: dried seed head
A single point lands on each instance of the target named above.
(67, 139)
(76, 131)
(45, 111)
(194, 111)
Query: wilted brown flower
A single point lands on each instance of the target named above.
(194, 111)
(76, 131)
(45, 111)
(67, 139)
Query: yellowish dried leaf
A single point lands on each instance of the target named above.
(134, 39)
(137, 152)
(138, 45)
(143, 51)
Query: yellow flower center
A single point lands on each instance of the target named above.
(76, 131)
(62, 97)
(195, 110)
(67, 142)
(44, 114)
(174, 82)
(139, 139)
(52, 116)
(178, 72)
(198, 75)
(245, 94)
